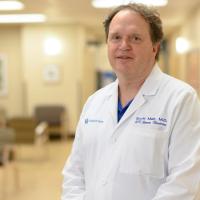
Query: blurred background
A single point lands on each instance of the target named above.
(52, 57)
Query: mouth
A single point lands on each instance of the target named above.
(124, 57)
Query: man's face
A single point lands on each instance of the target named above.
(130, 49)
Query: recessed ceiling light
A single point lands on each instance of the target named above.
(22, 18)
(113, 3)
(11, 5)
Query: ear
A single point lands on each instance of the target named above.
(156, 47)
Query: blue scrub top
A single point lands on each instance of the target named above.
(121, 110)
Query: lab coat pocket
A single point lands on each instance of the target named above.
(143, 152)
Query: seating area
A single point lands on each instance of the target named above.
(48, 121)
(31, 132)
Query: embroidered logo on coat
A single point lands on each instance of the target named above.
(93, 121)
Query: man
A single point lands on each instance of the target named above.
(137, 138)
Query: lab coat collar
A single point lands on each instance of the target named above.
(152, 83)
(149, 87)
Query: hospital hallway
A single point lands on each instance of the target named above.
(54, 55)
(36, 173)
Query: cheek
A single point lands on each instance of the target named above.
(109, 55)
(111, 52)
(110, 48)
(148, 51)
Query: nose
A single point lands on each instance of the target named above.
(125, 45)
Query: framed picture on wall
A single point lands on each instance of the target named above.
(3, 76)
(193, 69)
(51, 73)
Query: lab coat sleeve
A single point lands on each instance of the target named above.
(183, 180)
(73, 173)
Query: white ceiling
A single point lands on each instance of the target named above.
(81, 11)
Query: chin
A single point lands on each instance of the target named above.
(123, 67)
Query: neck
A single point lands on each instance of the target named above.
(128, 90)
(130, 84)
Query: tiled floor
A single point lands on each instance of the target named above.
(39, 171)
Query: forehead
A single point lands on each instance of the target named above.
(128, 19)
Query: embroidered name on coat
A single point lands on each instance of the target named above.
(151, 120)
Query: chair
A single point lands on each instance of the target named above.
(7, 158)
(56, 118)
(27, 130)
(30, 134)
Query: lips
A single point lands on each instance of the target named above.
(124, 57)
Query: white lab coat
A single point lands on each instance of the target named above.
(153, 153)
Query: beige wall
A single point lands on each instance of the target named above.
(34, 61)
(74, 64)
(102, 62)
(26, 62)
(10, 49)
(191, 31)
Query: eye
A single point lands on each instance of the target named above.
(115, 37)
(136, 38)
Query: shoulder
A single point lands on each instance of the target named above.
(174, 85)
(176, 92)
(165, 86)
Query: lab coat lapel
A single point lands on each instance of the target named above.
(134, 106)
(112, 102)
(149, 88)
